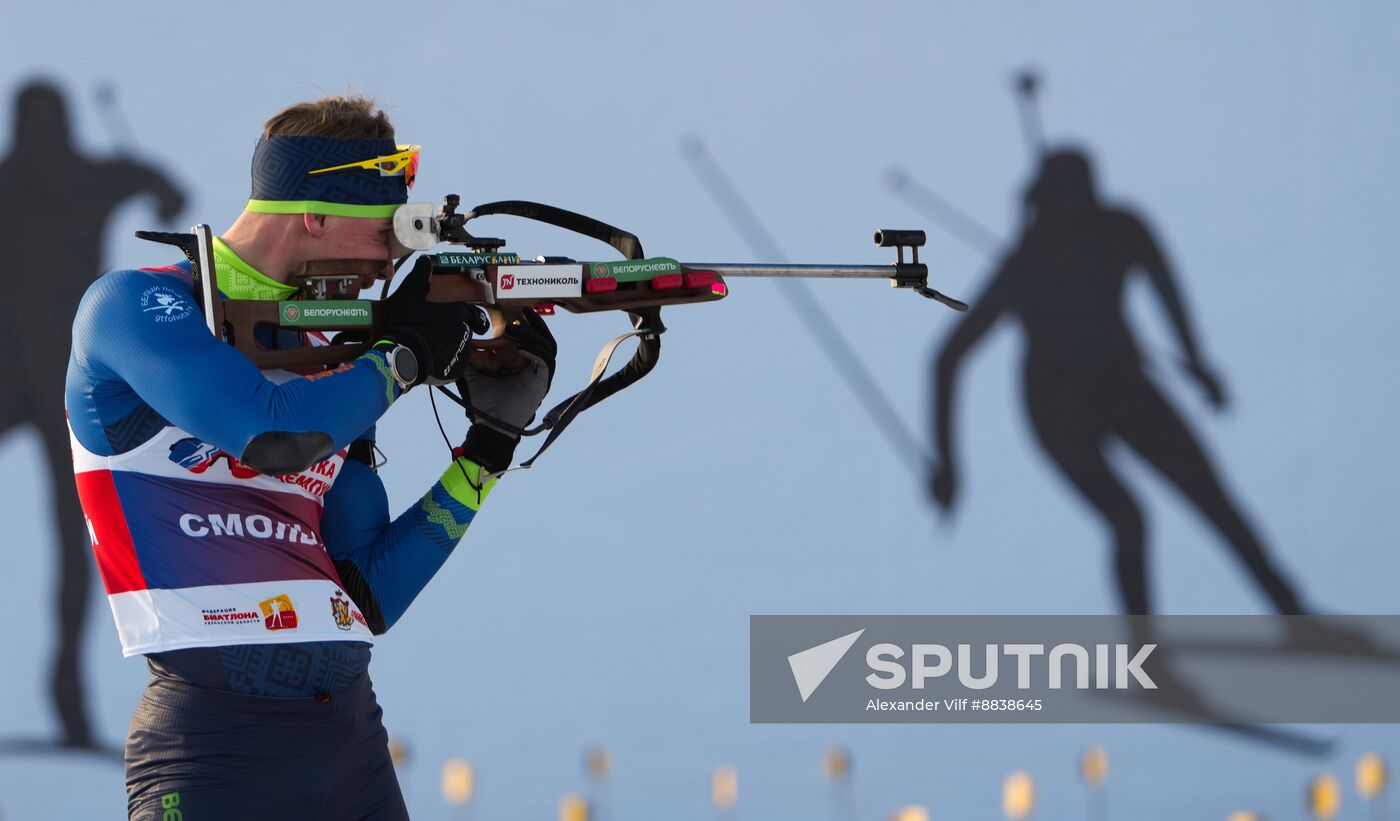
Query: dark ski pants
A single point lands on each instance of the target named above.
(197, 754)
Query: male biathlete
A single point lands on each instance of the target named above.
(241, 531)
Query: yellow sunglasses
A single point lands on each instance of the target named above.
(404, 162)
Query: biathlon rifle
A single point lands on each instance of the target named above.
(503, 285)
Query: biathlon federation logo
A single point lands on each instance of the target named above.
(278, 613)
(219, 616)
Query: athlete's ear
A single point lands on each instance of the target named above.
(315, 224)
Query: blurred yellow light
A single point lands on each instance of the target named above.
(1017, 796)
(598, 763)
(1325, 797)
(398, 753)
(912, 813)
(1093, 766)
(573, 808)
(1370, 775)
(724, 787)
(837, 763)
(1244, 815)
(458, 782)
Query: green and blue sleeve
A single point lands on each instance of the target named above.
(385, 564)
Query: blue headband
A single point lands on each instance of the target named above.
(283, 182)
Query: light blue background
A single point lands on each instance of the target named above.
(604, 597)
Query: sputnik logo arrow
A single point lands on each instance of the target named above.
(810, 667)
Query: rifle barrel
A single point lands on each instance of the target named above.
(745, 269)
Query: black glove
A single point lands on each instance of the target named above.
(436, 332)
(501, 406)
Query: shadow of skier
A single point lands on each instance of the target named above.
(1083, 375)
(56, 203)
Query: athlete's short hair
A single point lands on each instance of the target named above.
(341, 117)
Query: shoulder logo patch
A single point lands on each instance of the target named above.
(165, 303)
